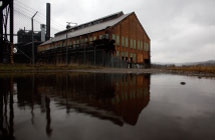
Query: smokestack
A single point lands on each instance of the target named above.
(48, 20)
(43, 32)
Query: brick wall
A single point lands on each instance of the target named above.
(134, 49)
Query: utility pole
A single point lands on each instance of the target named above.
(32, 25)
(67, 49)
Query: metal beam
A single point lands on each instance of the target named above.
(1, 36)
(5, 4)
(11, 20)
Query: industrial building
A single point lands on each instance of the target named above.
(116, 40)
(24, 45)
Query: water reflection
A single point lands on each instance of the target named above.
(6, 100)
(113, 97)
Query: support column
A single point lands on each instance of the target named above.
(11, 21)
(1, 35)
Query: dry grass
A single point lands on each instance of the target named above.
(200, 69)
(40, 67)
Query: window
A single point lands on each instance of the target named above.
(134, 57)
(91, 41)
(82, 42)
(117, 53)
(131, 43)
(117, 41)
(106, 36)
(113, 36)
(141, 45)
(126, 54)
(134, 44)
(138, 45)
(85, 42)
(77, 43)
(146, 46)
(74, 44)
(122, 41)
(100, 37)
(126, 42)
(94, 38)
(131, 55)
(122, 54)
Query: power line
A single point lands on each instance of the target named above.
(28, 17)
(41, 15)
(42, 19)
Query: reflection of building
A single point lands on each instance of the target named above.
(131, 96)
(118, 98)
(6, 109)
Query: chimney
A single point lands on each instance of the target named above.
(48, 20)
(43, 32)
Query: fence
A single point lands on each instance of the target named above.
(99, 53)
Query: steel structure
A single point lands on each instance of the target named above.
(6, 14)
(92, 53)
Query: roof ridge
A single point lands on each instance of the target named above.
(93, 22)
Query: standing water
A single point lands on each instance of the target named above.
(84, 106)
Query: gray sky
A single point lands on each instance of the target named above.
(180, 30)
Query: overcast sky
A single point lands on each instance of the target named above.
(180, 30)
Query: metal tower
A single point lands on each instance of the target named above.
(6, 15)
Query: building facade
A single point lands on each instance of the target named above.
(131, 42)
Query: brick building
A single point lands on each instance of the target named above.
(131, 47)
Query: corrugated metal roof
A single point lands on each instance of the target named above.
(91, 22)
(87, 30)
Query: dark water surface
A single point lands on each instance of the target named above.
(82, 106)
